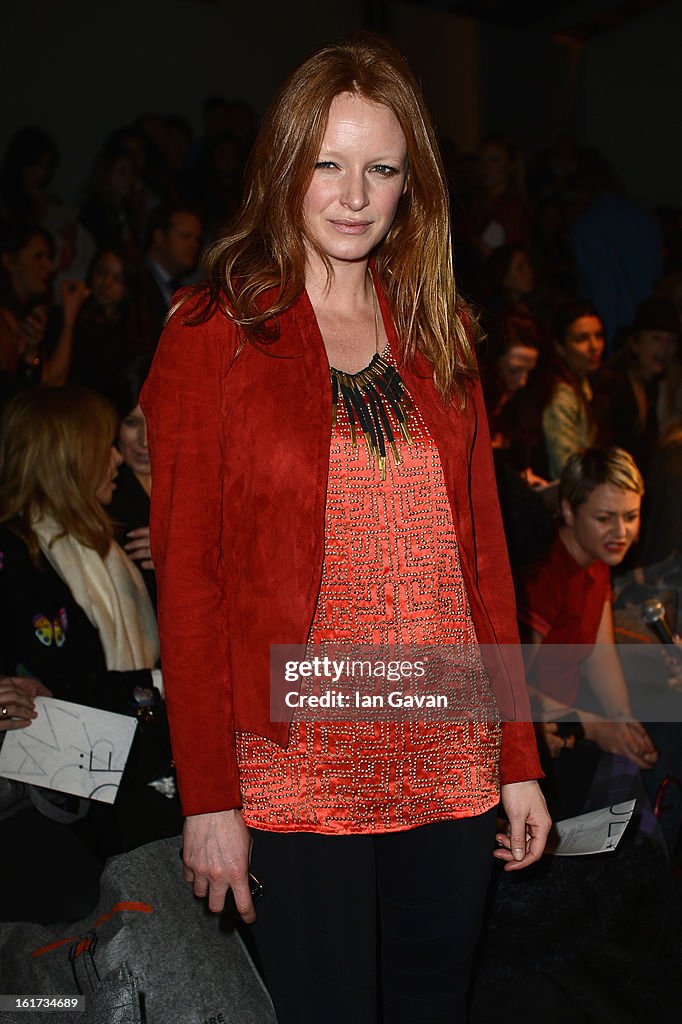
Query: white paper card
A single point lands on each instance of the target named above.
(70, 748)
(597, 832)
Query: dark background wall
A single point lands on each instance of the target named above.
(629, 99)
(80, 68)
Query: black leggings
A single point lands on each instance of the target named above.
(360, 929)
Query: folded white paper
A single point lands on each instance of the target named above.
(70, 748)
(597, 832)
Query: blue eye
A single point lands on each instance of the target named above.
(385, 170)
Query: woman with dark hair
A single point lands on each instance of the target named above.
(568, 422)
(107, 213)
(26, 272)
(112, 324)
(323, 476)
(509, 364)
(500, 215)
(510, 280)
(27, 169)
(645, 389)
(129, 509)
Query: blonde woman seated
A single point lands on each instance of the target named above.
(566, 620)
(75, 613)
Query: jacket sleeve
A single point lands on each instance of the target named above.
(183, 403)
(564, 427)
(519, 760)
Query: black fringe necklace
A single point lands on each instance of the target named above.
(368, 395)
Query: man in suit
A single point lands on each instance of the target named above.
(171, 255)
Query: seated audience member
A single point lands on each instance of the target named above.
(27, 169)
(74, 610)
(568, 422)
(108, 214)
(551, 173)
(129, 509)
(552, 252)
(34, 346)
(177, 147)
(242, 124)
(646, 392)
(216, 117)
(112, 324)
(54, 877)
(511, 281)
(215, 182)
(512, 403)
(172, 253)
(566, 620)
(152, 128)
(662, 528)
(500, 215)
(141, 141)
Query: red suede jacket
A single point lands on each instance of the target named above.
(239, 450)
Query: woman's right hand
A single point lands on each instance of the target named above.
(138, 547)
(628, 738)
(215, 856)
(17, 707)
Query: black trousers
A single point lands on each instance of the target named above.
(361, 929)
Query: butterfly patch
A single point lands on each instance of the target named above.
(51, 631)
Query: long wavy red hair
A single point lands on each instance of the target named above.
(258, 269)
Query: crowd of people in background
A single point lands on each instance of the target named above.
(84, 288)
(577, 289)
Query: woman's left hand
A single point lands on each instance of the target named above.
(17, 695)
(74, 293)
(529, 825)
(548, 734)
(138, 548)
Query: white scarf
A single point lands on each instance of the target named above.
(112, 594)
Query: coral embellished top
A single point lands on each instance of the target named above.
(391, 579)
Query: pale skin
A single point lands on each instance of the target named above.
(18, 694)
(602, 529)
(132, 443)
(357, 184)
(30, 271)
(583, 345)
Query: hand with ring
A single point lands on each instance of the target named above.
(17, 701)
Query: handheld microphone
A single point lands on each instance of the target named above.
(653, 613)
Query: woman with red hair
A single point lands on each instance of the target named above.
(322, 476)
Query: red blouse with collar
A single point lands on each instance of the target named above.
(564, 603)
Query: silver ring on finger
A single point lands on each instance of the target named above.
(4, 711)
